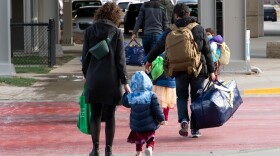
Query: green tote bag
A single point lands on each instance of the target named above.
(84, 117)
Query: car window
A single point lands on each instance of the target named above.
(78, 4)
(134, 7)
(187, 1)
(86, 12)
(123, 5)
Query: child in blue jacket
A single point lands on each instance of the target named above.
(146, 115)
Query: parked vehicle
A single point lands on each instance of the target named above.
(123, 4)
(84, 18)
(76, 4)
(131, 15)
(270, 13)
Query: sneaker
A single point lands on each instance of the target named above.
(184, 128)
(149, 151)
(196, 133)
(138, 154)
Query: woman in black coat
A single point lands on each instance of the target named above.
(105, 76)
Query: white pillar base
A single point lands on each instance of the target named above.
(236, 66)
(7, 69)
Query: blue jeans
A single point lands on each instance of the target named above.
(183, 81)
(149, 40)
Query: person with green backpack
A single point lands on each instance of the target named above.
(163, 86)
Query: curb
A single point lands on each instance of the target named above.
(262, 91)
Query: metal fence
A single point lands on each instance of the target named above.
(33, 44)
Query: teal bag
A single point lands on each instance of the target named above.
(101, 49)
(84, 117)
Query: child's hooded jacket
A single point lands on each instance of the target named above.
(146, 113)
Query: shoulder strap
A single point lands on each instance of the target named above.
(192, 25)
(109, 38)
(173, 27)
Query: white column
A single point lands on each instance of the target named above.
(6, 67)
(67, 20)
(50, 9)
(207, 13)
(234, 33)
(261, 19)
(27, 11)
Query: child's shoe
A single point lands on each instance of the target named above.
(149, 151)
(138, 153)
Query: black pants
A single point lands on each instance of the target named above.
(108, 113)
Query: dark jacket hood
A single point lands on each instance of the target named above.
(182, 22)
(102, 24)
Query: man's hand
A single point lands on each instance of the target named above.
(147, 67)
(212, 77)
(127, 88)
(133, 37)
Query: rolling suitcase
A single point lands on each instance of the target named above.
(216, 104)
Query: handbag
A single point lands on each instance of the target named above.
(101, 49)
(134, 54)
(84, 117)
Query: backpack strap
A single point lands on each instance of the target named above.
(192, 25)
(189, 26)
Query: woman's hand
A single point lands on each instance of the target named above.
(127, 88)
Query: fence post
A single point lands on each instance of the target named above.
(51, 43)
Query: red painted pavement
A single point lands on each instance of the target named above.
(38, 128)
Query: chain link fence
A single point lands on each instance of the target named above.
(33, 44)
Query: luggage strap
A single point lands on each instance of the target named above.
(221, 86)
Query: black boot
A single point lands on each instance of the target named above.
(95, 150)
(108, 150)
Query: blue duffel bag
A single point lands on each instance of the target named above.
(216, 104)
(134, 54)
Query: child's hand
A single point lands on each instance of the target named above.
(127, 88)
(164, 123)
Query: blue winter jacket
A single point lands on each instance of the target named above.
(165, 81)
(146, 113)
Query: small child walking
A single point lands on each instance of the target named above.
(164, 87)
(145, 116)
(215, 42)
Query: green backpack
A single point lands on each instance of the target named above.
(157, 68)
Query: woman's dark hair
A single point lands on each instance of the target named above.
(210, 30)
(110, 11)
(181, 10)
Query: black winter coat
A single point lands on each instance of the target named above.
(105, 76)
(200, 38)
(144, 117)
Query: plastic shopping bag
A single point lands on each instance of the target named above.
(84, 116)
